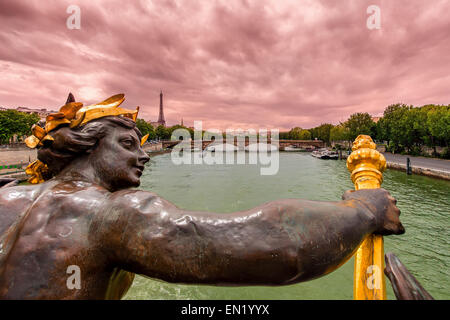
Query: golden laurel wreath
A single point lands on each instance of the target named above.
(74, 115)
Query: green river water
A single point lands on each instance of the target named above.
(424, 203)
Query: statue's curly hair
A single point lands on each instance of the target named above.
(70, 143)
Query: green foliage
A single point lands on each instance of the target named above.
(413, 124)
(305, 135)
(408, 128)
(13, 122)
(360, 123)
(177, 126)
(340, 133)
(283, 135)
(405, 128)
(298, 133)
(162, 133)
(146, 128)
(322, 132)
(438, 124)
(389, 124)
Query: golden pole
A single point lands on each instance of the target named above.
(366, 165)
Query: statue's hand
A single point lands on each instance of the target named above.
(383, 207)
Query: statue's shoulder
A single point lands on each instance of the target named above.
(78, 197)
(18, 197)
(84, 189)
(137, 200)
(14, 203)
(19, 193)
(133, 194)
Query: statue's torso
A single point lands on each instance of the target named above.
(45, 229)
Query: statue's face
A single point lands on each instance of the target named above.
(119, 159)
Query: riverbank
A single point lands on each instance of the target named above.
(13, 162)
(432, 167)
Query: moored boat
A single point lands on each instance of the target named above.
(325, 154)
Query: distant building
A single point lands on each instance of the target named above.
(42, 113)
(161, 121)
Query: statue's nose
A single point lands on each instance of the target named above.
(144, 157)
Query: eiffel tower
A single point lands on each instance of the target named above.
(161, 119)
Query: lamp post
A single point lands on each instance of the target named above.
(366, 165)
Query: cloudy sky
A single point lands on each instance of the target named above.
(231, 63)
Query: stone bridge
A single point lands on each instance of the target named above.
(282, 143)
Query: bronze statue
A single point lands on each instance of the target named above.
(404, 284)
(83, 213)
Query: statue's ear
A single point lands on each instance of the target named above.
(70, 98)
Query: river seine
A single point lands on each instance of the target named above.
(424, 203)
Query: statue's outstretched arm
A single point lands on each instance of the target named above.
(277, 243)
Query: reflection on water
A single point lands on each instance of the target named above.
(424, 202)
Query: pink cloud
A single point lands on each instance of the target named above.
(229, 63)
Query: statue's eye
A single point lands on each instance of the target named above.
(127, 143)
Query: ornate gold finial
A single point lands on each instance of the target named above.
(366, 165)
(363, 141)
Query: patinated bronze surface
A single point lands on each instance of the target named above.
(404, 284)
(87, 216)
